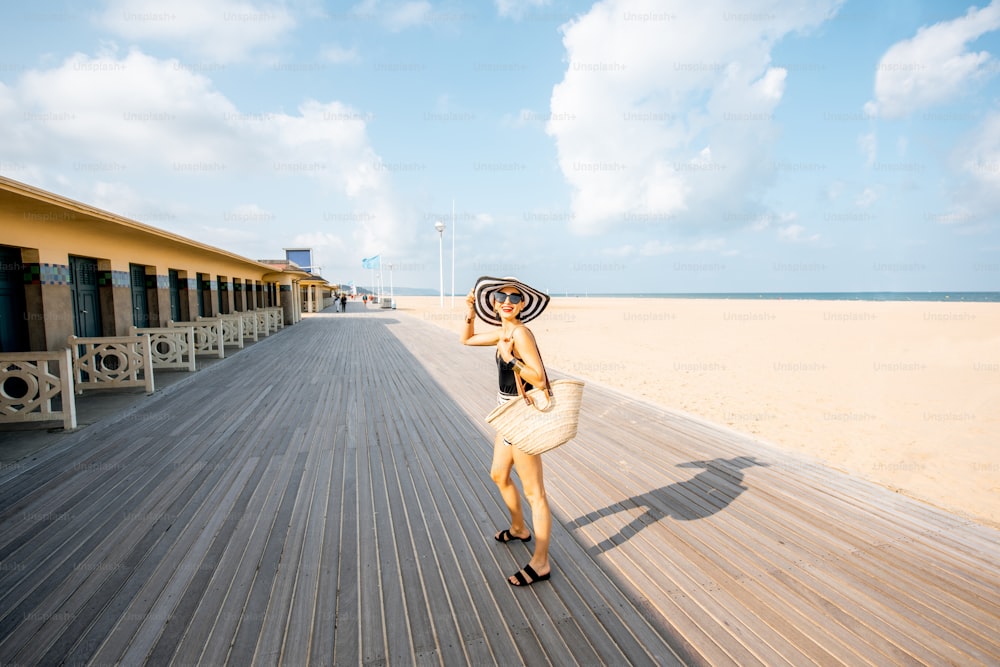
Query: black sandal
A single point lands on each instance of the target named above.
(532, 578)
(506, 536)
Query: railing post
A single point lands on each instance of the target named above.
(66, 382)
(147, 362)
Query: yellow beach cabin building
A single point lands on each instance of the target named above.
(72, 269)
(73, 276)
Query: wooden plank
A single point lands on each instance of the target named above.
(295, 564)
(370, 609)
(152, 612)
(347, 638)
(240, 648)
(70, 561)
(185, 626)
(141, 541)
(287, 635)
(325, 621)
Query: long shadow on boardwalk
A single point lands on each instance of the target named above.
(705, 494)
(316, 499)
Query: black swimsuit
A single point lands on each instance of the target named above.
(506, 379)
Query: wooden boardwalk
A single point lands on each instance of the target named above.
(323, 497)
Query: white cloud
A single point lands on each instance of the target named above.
(982, 153)
(407, 15)
(223, 31)
(518, 8)
(934, 66)
(395, 16)
(330, 244)
(250, 215)
(135, 118)
(117, 197)
(834, 191)
(624, 251)
(867, 197)
(669, 113)
(131, 110)
(795, 233)
(227, 237)
(868, 143)
(339, 55)
(656, 248)
(976, 160)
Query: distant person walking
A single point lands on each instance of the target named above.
(343, 302)
(509, 304)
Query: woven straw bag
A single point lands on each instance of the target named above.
(543, 420)
(546, 418)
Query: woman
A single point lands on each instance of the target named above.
(509, 304)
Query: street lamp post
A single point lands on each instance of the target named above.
(392, 296)
(452, 253)
(440, 226)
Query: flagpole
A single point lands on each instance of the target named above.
(440, 226)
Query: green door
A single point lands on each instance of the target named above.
(202, 288)
(175, 296)
(86, 305)
(13, 312)
(140, 302)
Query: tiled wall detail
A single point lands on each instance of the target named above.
(47, 274)
(115, 279)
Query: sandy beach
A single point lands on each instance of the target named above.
(905, 394)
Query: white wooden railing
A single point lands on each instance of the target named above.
(169, 347)
(230, 327)
(31, 381)
(249, 325)
(263, 322)
(277, 318)
(111, 362)
(207, 336)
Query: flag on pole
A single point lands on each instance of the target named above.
(371, 263)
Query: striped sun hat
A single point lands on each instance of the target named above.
(534, 301)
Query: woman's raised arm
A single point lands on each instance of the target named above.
(469, 335)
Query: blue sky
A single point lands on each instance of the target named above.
(616, 146)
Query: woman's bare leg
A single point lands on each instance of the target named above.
(503, 461)
(529, 470)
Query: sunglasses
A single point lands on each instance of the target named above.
(514, 299)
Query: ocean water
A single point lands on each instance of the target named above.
(962, 297)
